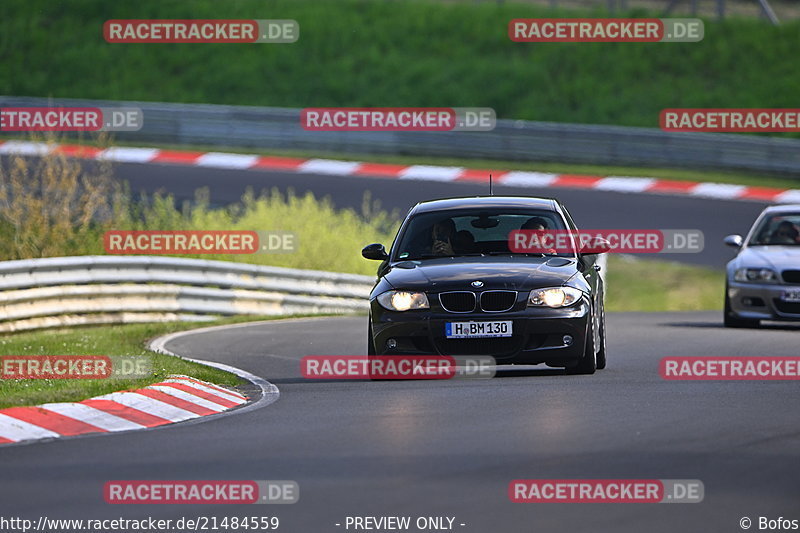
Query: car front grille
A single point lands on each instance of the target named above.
(458, 301)
(490, 301)
(791, 276)
(498, 301)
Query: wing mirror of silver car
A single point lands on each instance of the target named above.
(735, 241)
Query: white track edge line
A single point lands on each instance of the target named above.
(269, 392)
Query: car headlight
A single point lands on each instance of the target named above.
(755, 275)
(403, 300)
(554, 297)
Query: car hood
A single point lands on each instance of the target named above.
(775, 257)
(457, 273)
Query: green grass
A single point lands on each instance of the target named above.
(378, 53)
(127, 340)
(636, 284)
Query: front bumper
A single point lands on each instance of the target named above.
(537, 334)
(761, 301)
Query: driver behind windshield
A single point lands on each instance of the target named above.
(785, 233)
(442, 236)
(534, 223)
(538, 224)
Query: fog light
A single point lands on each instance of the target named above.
(391, 344)
(567, 340)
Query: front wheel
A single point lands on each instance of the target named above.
(601, 352)
(370, 340)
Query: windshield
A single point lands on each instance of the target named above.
(471, 232)
(782, 230)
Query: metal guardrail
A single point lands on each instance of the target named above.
(39, 293)
(512, 140)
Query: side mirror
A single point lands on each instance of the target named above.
(375, 251)
(735, 241)
(597, 246)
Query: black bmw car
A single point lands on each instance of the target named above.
(453, 285)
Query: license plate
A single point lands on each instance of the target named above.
(791, 295)
(474, 330)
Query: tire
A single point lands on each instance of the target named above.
(588, 363)
(370, 342)
(371, 352)
(601, 353)
(731, 321)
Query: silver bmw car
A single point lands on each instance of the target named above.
(763, 280)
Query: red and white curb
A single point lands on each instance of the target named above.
(175, 399)
(516, 178)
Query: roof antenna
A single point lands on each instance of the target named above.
(490, 186)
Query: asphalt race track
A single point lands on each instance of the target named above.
(436, 448)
